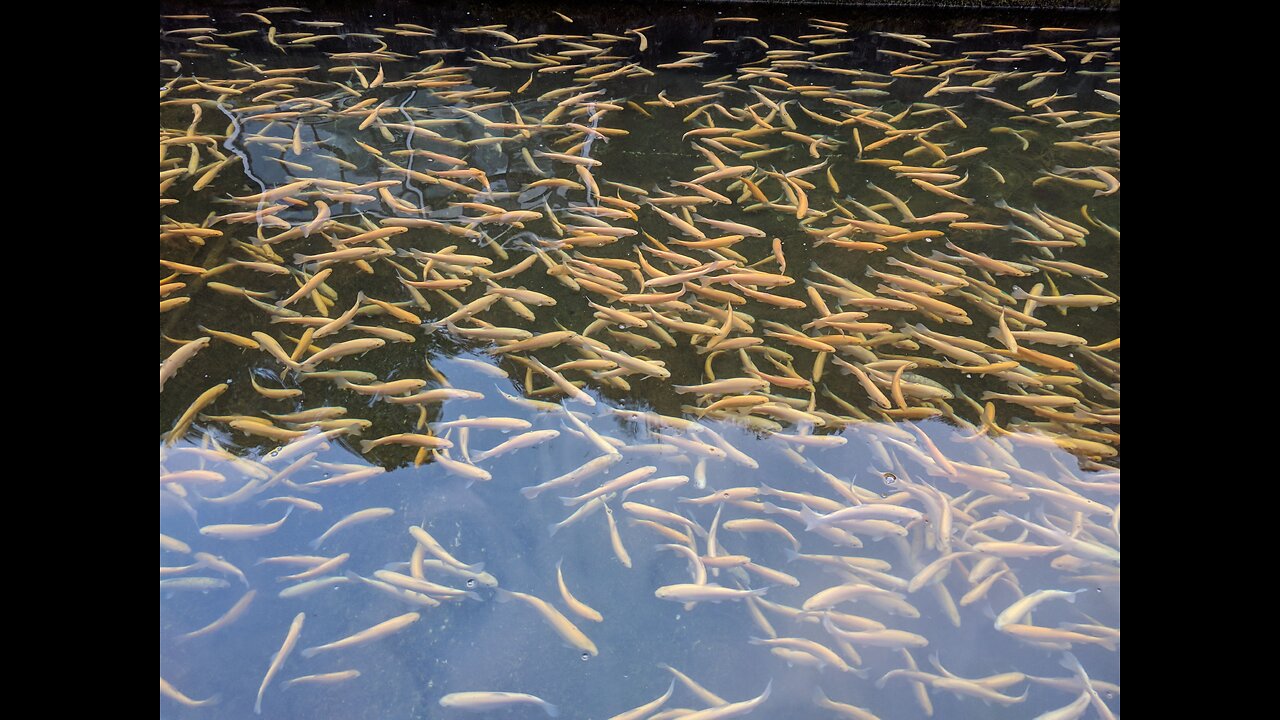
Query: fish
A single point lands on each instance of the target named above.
(578, 607)
(731, 710)
(1022, 607)
(236, 531)
(377, 632)
(278, 660)
(645, 710)
(171, 692)
(329, 678)
(567, 631)
(355, 518)
(180, 357)
(709, 592)
(489, 700)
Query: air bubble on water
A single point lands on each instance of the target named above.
(890, 478)
(471, 582)
(586, 656)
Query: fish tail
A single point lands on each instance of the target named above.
(1068, 660)
(810, 518)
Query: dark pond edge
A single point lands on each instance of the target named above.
(1055, 5)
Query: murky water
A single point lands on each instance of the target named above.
(1000, 456)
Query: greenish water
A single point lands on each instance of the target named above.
(1067, 456)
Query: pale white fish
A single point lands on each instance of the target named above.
(481, 701)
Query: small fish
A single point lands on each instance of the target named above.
(481, 701)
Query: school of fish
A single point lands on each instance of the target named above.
(845, 259)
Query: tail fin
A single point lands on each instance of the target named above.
(811, 519)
